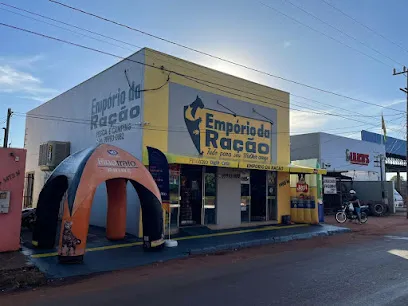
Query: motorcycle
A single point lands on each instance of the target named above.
(28, 218)
(345, 213)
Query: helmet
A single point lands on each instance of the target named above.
(352, 191)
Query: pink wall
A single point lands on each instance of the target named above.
(12, 169)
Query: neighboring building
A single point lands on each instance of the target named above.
(224, 137)
(396, 152)
(354, 158)
(12, 167)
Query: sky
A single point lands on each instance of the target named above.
(259, 34)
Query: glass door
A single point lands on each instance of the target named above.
(258, 196)
(271, 196)
(174, 195)
(245, 197)
(209, 193)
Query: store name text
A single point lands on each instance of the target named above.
(110, 115)
(357, 158)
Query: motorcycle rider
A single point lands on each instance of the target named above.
(356, 204)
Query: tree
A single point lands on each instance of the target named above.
(394, 178)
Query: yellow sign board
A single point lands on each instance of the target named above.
(267, 167)
(203, 161)
(226, 136)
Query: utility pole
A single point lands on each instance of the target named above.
(382, 178)
(405, 90)
(7, 129)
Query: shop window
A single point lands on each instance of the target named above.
(272, 196)
(245, 197)
(174, 183)
(210, 191)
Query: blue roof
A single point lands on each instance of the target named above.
(392, 145)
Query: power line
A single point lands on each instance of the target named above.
(162, 68)
(335, 115)
(141, 126)
(14, 7)
(342, 32)
(170, 71)
(70, 25)
(320, 32)
(400, 132)
(65, 29)
(223, 59)
(365, 26)
(108, 37)
(257, 95)
(88, 122)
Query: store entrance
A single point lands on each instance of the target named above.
(191, 195)
(258, 195)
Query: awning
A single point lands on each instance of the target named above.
(302, 169)
(203, 161)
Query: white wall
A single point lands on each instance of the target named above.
(75, 116)
(333, 151)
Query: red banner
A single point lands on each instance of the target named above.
(302, 187)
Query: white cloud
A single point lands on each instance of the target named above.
(27, 62)
(13, 79)
(393, 102)
(304, 120)
(287, 44)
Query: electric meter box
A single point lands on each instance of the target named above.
(4, 202)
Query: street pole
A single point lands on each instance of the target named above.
(7, 129)
(405, 90)
(382, 179)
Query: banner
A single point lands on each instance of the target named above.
(159, 168)
(228, 136)
(330, 185)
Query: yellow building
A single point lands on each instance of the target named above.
(227, 140)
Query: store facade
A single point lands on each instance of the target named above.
(346, 161)
(358, 159)
(228, 154)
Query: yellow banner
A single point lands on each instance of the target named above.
(228, 137)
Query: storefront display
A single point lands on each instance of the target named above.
(303, 198)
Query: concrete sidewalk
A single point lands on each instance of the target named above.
(129, 255)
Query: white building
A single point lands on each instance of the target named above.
(354, 158)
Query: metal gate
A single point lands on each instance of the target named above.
(28, 190)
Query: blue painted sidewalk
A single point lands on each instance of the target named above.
(130, 254)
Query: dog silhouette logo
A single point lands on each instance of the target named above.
(193, 120)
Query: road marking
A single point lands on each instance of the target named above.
(126, 245)
(397, 237)
(400, 253)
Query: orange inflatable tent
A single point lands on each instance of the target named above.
(74, 183)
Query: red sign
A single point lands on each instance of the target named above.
(357, 158)
(302, 187)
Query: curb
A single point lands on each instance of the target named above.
(265, 241)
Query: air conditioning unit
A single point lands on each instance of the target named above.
(52, 153)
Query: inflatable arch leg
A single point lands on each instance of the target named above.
(74, 232)
(116, 218)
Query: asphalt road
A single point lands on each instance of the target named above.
(347, 273)
(327, 271)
